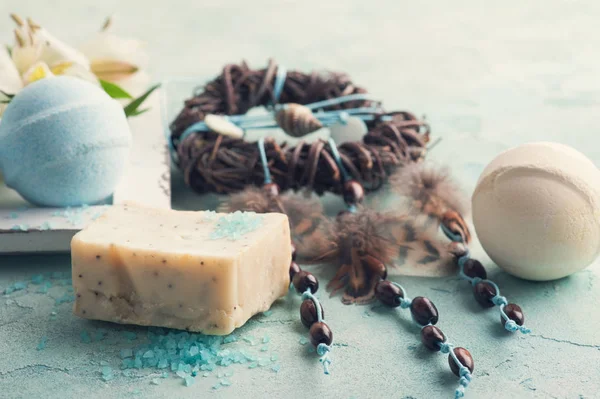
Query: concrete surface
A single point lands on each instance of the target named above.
(487, 75)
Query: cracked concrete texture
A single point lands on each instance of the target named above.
(488, 75)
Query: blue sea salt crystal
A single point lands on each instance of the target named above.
(164, 375)
(181, 374)
(267, 313)
(188, 381)
(264, 348)
(225, 382)
(46, 226)
(155, 381)
(162, 364)
(276, 368)
(235, 225)
(125, 353)
(44, 287)
(130, 335)
(274, 357)
(194, 351)
(148, 354)
(253, 365)
(37, 279)
(107, 373)
(303, 341)
(266, 339)
(42, 344)
(205, 374)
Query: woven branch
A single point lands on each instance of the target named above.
(212, 162)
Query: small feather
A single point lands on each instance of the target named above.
(430, 190)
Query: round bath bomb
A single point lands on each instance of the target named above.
(536, 210)
(63, 142)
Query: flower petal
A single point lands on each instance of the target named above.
(37, 71)
(77, 71)
(112, 70)
(10, 79)
(108, 46)
(55, 51)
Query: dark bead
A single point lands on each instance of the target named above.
(431, 336)
(294, 269)
(464, 357)
(423, 311)
(484, 292)
(308, 313)
(293, 252)
(271, 189)
(304, 280)
(514, 312)
(473, 268)
(320, 333)
(353, 192)
(457, 249)
(388, 293)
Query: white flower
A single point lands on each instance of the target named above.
(10, 80)
(117, 60)
(34, 44)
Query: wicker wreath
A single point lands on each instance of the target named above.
(212, 162)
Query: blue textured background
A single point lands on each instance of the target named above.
(487, 75)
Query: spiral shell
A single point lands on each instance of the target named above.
(297, 120)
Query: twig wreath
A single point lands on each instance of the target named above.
(207, 138)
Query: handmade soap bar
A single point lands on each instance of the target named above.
(197, 271)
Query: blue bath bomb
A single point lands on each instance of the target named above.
(63, 142)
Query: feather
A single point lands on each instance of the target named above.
(430, 190)
(308, 225)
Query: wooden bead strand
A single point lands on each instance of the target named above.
(312, 314)
(485, 291)
(425, 314)
(306, 284)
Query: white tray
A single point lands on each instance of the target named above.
(27, 229)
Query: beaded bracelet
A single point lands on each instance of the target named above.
(485, 291)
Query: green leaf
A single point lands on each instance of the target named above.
(114, 90)
(9, 49)
(139, 112)
(132, 108)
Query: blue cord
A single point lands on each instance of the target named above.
(279, 82)
(498, 300)
(263, 160)
(338, 159)
(340, 100)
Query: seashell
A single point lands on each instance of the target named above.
(353, 129)
(219, 124)
(297, 120)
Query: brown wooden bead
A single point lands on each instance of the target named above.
(484, 292)
(271, 189)
(294, 269)
(514, 312)
(424, 311)
(308, 313)
(304, 280)
(293, 252)
(353, 192)
(431, 336)
(388, 293)
(473, 268)
(464, 357)
(320, 333)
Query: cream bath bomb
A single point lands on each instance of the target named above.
(536, 211)
(63, 142)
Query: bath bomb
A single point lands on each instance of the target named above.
(536, 211)
(63, 142)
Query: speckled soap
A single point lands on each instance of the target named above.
(197, 271)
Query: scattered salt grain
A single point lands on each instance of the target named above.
(42, 344)
(155, 381)
(303, 341)
(276, 368)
